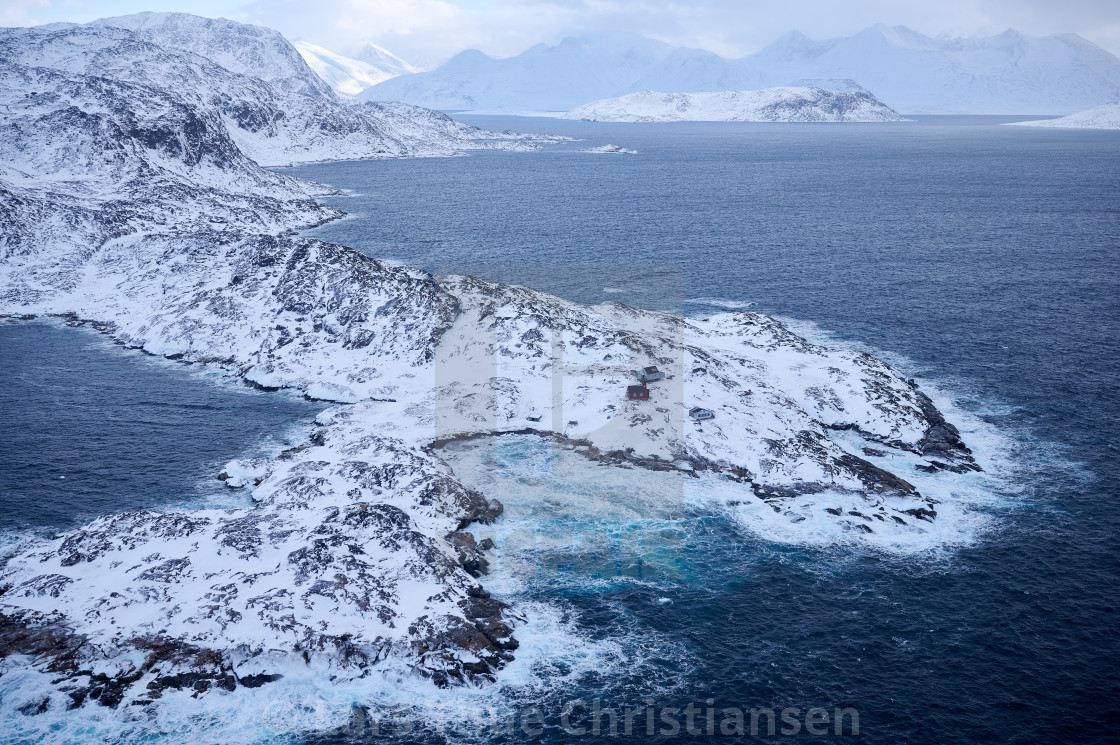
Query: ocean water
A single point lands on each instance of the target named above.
(983, 259)
(90, 428)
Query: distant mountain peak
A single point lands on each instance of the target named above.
(1003, 73)
(383, 59)
(352, 76)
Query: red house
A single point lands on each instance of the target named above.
(637, 393)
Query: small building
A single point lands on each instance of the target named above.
(637, 393)
(700, 414)
(534, 418)
(649, 374)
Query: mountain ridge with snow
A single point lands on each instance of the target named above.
(274, 107)
(1007, 73)
(351, 76)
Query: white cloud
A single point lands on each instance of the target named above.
(432, 30)
(429, 31)
(422, 31)
(22, 12)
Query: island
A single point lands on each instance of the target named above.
(783, 104)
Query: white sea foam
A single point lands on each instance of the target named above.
(716, 302)
(559, 504)
(307, 702)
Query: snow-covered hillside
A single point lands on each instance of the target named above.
(352, 76)
(274, 108)
(241, 48)
(1106, 116)
(129, 201)
(768, 105)
(1009, 73)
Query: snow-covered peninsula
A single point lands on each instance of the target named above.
(1106, 116)
(786, 104)
(132, 198)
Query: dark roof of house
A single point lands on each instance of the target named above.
(651, 369)
(637, 389)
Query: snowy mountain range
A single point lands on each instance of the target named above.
(132, 199)
(543, 78)
(798, 104)
(352, 76)
(1003, 74)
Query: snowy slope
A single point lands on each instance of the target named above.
(384, 60)
(1007, 73)
(543, 78)
(238, 47)
(352, 76)
(769, 105)
(1099, 117)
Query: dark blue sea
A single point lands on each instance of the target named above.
(90, 428)
(983, 259)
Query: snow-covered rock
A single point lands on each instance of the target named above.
(609, 150)
(1008, 73)
(768, 105)
(352, 76)
(1106, 116)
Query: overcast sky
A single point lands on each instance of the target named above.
(426, 32)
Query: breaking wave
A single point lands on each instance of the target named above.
(714, 302)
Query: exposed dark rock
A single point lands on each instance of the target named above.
(922, 513)
(35, 707)
(877, 480)
(256, 681)
(943, 439)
